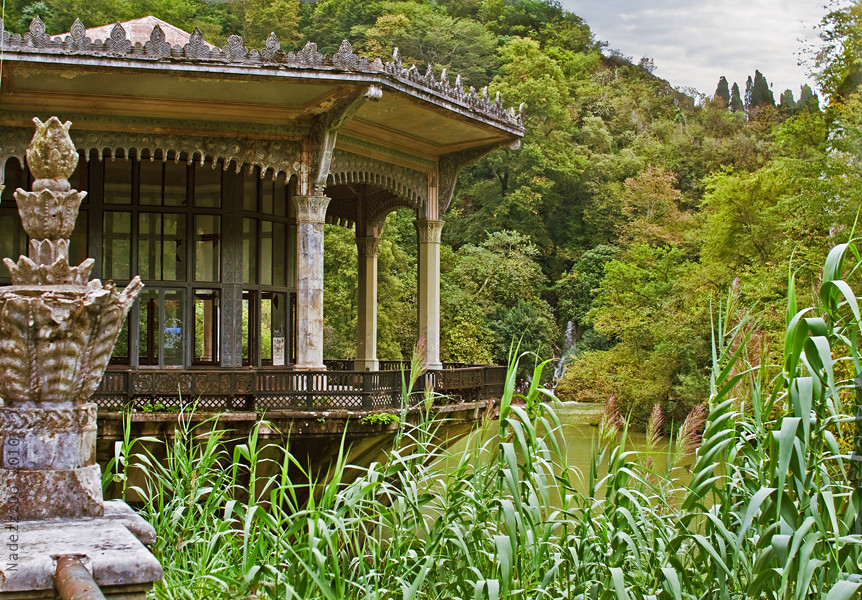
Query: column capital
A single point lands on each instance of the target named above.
(311, 209)
(428, 232)
(367, 245)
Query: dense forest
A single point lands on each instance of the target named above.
(630, 209)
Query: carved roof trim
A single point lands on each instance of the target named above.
(197, 51)
(272, 156)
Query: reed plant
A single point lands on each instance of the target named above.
(771, 509)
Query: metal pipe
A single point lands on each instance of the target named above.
(74, 582)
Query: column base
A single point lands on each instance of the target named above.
(112, 548)
(366, 364)
(437, 366)
(27, 495)
(309, 367)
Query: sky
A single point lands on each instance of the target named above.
(694, 42)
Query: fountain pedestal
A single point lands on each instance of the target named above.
(57, 332)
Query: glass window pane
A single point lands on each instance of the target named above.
(249, 251)
(249, 189)
(116, 245)
(78, 241)
(176, 190)
(247, 326)
(207, 249)
(173, 247)
(150, 193)
(148, 319)
(149, 246)
(266, 195)
(206, 326)
(280, 199)
(266, 329)
(279, 253)
(16, 177)
(266, 253)
(208, 185)
(118, 181)
(273, 328)
(173, 329)
(79, 180)
(13, 238)
(120, 355)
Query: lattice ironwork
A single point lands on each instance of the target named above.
(269, 389)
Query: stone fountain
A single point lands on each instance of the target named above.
(57, 332)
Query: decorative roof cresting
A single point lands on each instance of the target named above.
(235, 52)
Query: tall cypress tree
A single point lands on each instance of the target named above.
(761, 95)
(749, 86)
(722, 92)
(735, 100)
(808, 99)
(787, 104)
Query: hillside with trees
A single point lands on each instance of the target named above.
(629, 211)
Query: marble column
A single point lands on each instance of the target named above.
(310, 217)
(428, 245)
(366, 319)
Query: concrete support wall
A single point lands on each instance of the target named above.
(428, 245)
(366, 319)
(310, 216)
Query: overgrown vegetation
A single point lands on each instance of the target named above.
(629, 205)
(771, 511)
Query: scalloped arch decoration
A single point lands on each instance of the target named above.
(408, 185)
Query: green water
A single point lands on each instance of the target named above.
(579, 431)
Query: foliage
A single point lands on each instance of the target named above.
(770, 511)
(379, 419)
(695, 194)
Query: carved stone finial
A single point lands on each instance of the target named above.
(345, 58)
(157, 45)
(78, 31)
(117, 42)
(309, 56)
(52, 157)
(37, 27)
(197, 47)
(235, 49)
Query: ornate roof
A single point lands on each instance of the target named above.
(158, 48)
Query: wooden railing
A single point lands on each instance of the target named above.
(282, 389)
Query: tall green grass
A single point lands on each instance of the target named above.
(771, 510)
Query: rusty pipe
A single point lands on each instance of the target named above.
(74, 582)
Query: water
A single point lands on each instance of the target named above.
(579, 431)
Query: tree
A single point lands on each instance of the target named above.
(761, 95)
(787, 104)
(749, 90)
(425, 35)
(837, 60)
(263, 17)
(808, 100)
(722, 92)
(735, 101)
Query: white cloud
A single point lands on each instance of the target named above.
(693, 43)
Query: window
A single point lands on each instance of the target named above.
(206, 326)
(160, 327)
(207, 253)
(164, 220)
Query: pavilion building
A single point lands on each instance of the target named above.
(211, 171)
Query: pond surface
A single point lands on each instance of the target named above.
(579, 432)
